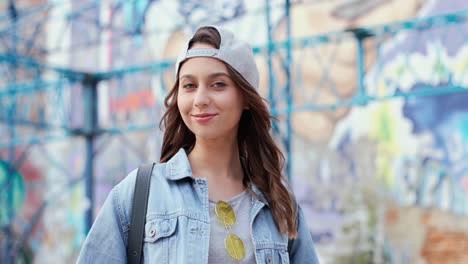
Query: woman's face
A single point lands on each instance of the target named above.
(209, 101)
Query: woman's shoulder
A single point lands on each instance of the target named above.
(175, 168)
(127, 184)
(122, 194)
(125, 188)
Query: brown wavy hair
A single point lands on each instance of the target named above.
(260, 157)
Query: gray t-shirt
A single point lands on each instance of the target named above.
(241, 204)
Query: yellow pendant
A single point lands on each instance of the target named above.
(234, 246)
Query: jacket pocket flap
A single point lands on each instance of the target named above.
(272, 245)
(158, 228)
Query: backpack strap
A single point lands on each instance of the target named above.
(137, 224)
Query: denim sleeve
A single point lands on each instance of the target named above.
(302, 247)
(105, 242)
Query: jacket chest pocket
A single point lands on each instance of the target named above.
(159, 240)
(273, 253)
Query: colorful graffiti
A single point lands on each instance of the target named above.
(427, 161)
(47, 206)
(414, 148)
(18, 204)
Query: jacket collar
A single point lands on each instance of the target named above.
(179, 168)
(257, 191)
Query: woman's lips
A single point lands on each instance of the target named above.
(203, 118)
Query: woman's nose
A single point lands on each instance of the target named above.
(202, 97)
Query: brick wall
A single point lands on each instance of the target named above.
(431, 236)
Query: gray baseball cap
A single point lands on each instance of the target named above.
(232, 51)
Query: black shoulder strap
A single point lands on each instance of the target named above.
(137, 224)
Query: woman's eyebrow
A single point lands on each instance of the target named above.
(188, 76)
(219, 74)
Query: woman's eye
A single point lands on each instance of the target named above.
(188, 85)
(219, 84)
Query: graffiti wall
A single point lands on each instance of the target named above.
(381, 169)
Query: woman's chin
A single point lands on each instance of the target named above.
(212, 134)
(207, 135)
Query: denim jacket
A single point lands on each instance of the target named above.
(177, 228)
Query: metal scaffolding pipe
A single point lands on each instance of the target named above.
(90, 128)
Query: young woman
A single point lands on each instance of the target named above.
(218, 195)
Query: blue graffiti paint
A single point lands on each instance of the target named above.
(427, 113)
(15, 186)
(444, 117)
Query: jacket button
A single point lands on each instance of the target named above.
(152, 232)
(268, 259)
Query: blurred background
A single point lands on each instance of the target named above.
(371, 98)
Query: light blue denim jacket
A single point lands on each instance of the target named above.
(177, 228)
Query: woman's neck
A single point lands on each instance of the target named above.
(216, 159)
(220, 164)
